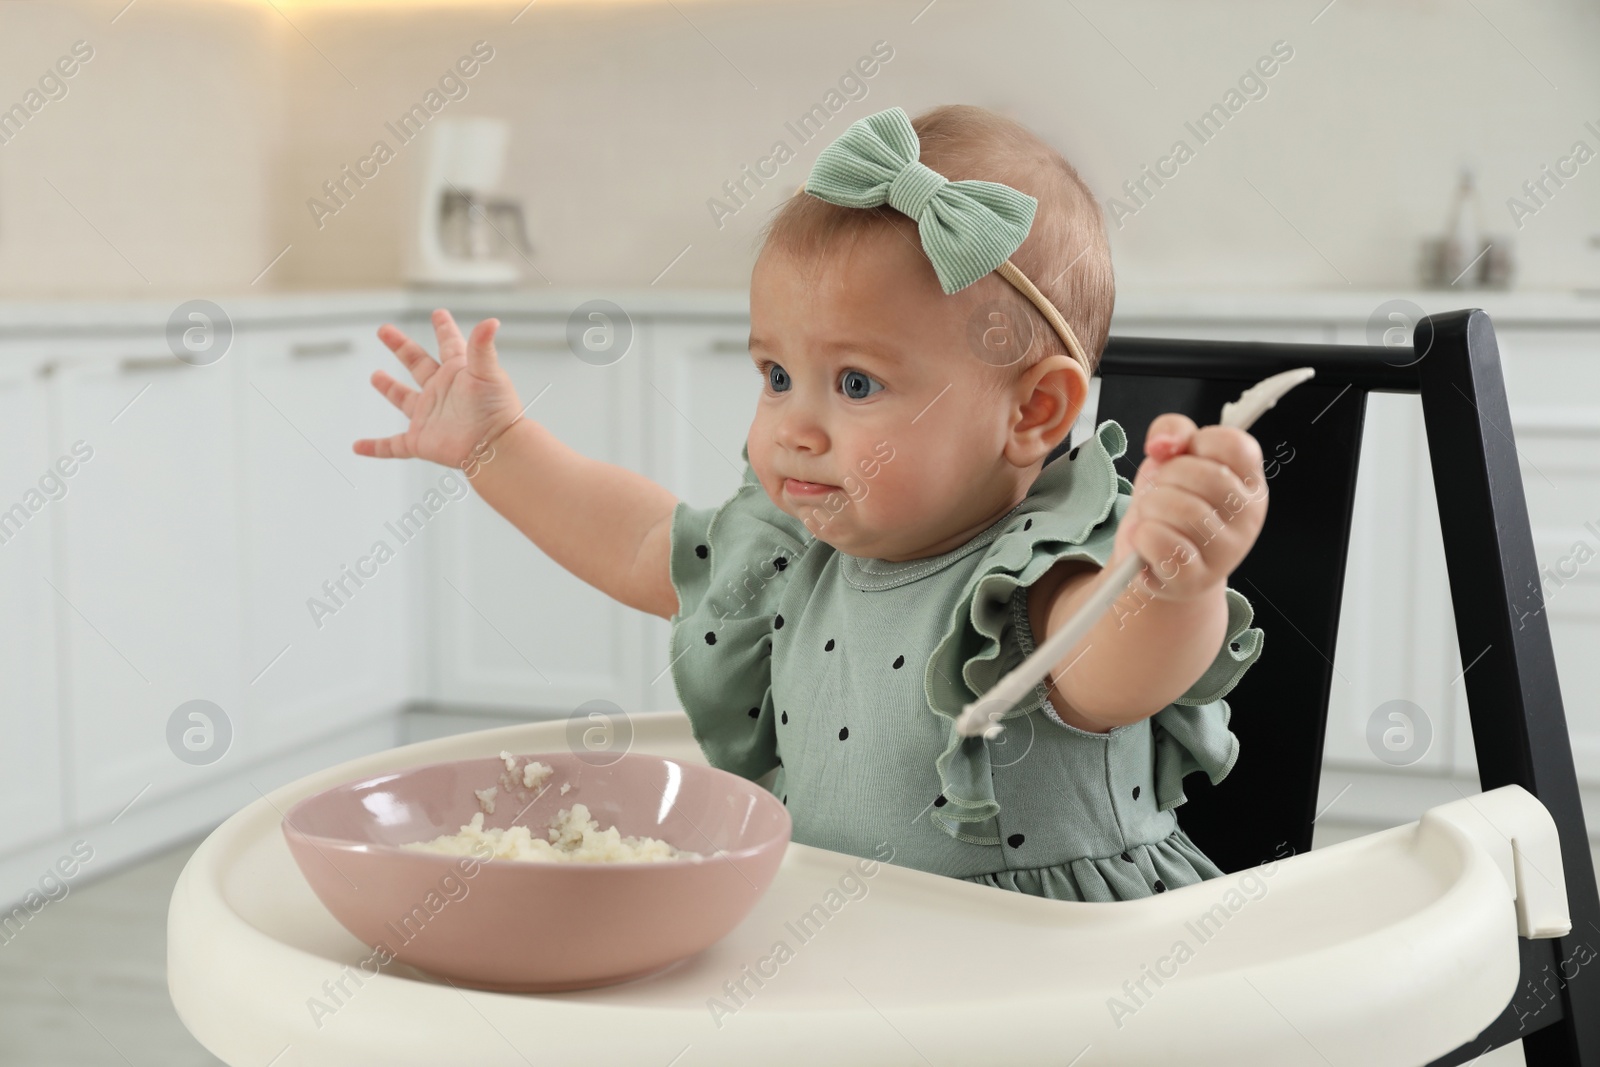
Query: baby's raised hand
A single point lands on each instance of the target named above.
(1199, 502)
(466, 396)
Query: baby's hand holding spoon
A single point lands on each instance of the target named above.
(982, 716)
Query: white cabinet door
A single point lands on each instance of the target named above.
(149, 537)
(329, 556)
(698, 407)
(1553, 382)
(1396, 634)
(513, 628)
(1396, 631)
(702, 400)
(31, 488)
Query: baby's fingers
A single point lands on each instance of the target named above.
(384, 447)
(414, 356)
(1169, 435)
(451, 343)
(401, 396)
(1236, 449)
(481, 359)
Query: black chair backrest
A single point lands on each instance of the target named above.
(1294, 578)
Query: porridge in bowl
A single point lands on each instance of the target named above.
(574, 837)
(602, 915)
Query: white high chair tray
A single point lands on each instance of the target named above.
(1390, 949)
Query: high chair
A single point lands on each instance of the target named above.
(1428, 943)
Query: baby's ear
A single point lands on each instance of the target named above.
(1052, 398)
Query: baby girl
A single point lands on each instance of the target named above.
(917, 378)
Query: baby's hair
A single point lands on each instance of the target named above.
(1066, 253)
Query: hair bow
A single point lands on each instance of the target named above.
(968, 227)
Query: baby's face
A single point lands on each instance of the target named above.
(871, 390)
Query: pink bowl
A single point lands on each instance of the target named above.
(539, 927)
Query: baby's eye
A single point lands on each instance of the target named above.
(773, 375)
(854, 382)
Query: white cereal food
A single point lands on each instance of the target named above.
(564, 787)
(534, 774)
(574, 837)
(486, 798)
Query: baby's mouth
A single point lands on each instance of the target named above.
(803, 488)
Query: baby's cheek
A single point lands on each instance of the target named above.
(852, 487)
(887, 498)
(858, 482)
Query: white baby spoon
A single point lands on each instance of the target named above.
(982, 716)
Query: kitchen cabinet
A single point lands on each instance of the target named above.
(327, 573)
(150, 574)
(698, 405)
(1396, 638)
(1551, 378)
(30, 491)
(510, 627)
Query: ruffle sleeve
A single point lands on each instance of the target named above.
(1071, 512)
(729, 565)
(1063, 516)
(1191, 734)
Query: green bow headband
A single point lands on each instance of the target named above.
(968, 228)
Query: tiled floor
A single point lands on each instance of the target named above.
(84, 984)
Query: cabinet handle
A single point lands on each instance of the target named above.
(134, 364)
(532, 344)
(319, 349)
(735, 348)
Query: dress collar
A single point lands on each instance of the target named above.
(872, 575)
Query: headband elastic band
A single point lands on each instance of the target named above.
(1010, 272)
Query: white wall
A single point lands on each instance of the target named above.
(160, 153)
(194, 138)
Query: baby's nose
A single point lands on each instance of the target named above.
(800, 429)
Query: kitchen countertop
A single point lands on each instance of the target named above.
(25, 318)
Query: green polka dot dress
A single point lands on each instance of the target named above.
(847, 675)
